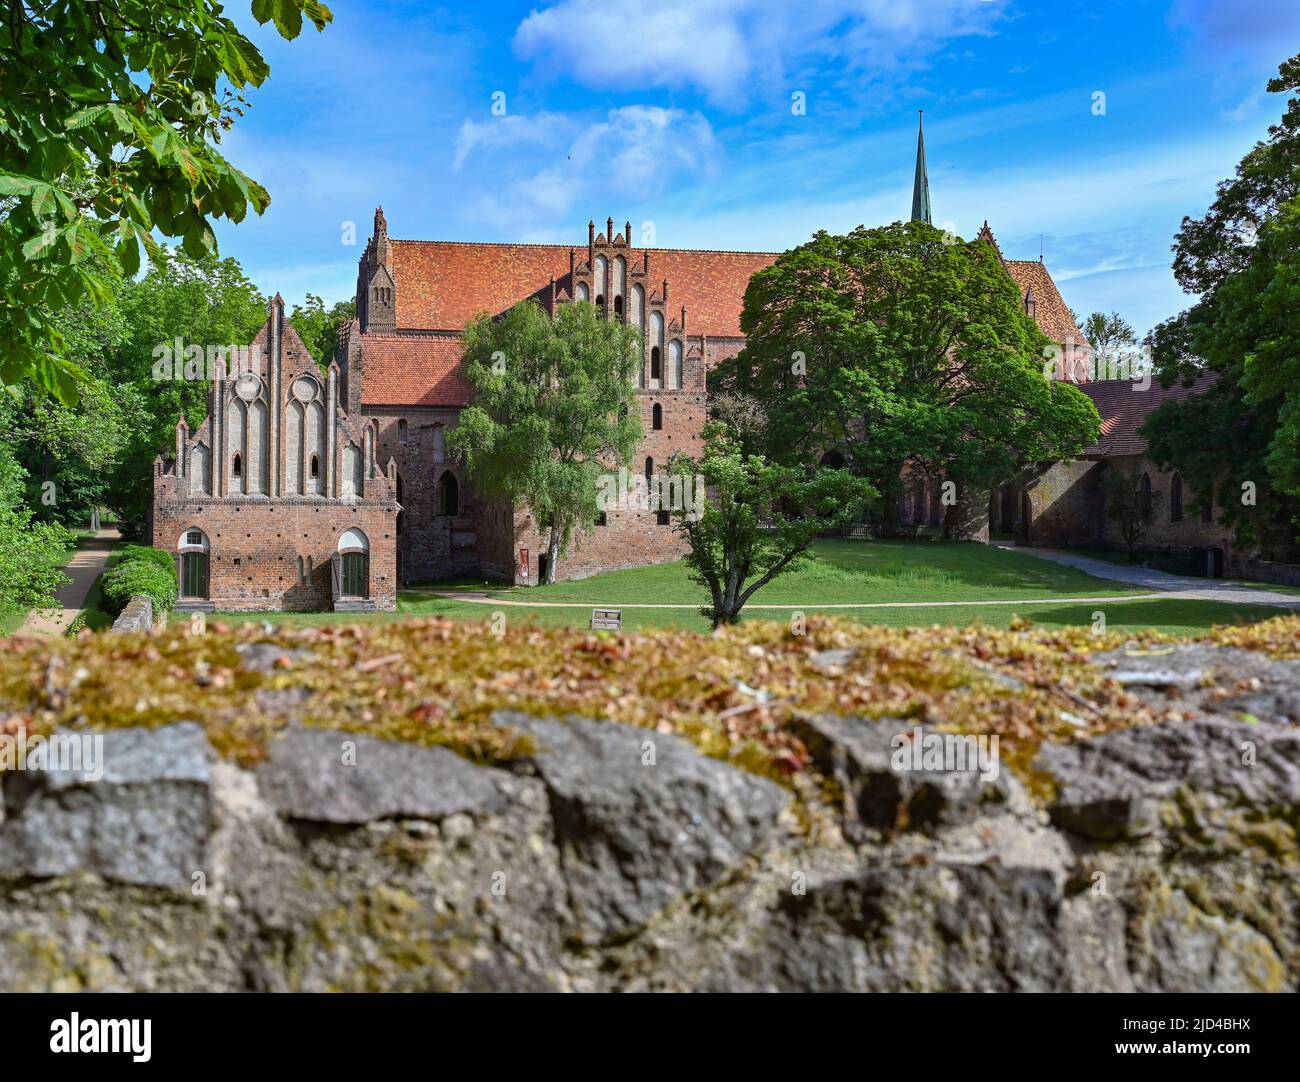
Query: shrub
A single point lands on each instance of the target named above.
(140, 576)
(147, 554)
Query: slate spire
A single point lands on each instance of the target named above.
(921, 185)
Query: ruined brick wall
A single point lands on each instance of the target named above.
(431, 545)
(629, 539)
(1065, 504)
(1163, 533)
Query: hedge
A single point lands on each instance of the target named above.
(155, 579)
(149, 555)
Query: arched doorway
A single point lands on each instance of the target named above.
(193, 547)
(354, 557)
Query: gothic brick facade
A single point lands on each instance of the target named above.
(401, 371)
(276, 501)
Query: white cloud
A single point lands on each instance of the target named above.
(726, 48)
(633, 153)
(511, 131)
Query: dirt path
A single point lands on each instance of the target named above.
(83, 569)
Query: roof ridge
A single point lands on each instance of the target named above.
(565, 247)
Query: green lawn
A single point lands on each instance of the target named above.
(848, 572)
(845, 571)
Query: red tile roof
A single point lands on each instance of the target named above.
(413, 370)
(442, 285)
(1124, 407)
(1050, 311)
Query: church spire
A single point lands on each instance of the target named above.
(921, 185)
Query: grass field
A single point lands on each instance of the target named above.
(843, 572)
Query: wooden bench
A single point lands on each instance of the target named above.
(606, 619)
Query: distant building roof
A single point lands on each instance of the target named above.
(1124, 407)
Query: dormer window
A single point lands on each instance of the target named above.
(1030, 303)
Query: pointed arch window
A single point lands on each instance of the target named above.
(1145, 501)
(649, 467)
(315, 465)
(402, 436)
(1176, 498)
(448, 495)
(237, 466)
(657, 416)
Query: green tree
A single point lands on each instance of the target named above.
(902, 349)
(68, 451)
(111, 118)
(555, 407)
(183, 301)
(31, 551)
(1108, 335)
(319, 327)
(1242, 258)
(759, 518)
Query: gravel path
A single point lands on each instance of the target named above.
(1147, 578)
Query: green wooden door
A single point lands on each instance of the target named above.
(194, 574)
(354, 574)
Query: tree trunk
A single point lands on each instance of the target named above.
(552, 555)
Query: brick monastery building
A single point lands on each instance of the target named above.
(303, 491)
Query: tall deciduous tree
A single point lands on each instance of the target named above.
(903, 348)
(31, 551)
(202, 301)
(1108, 335)
(1239, 442)
(111, 117)
(759, 518)
(555, 407)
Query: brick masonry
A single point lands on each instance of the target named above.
(278, 478)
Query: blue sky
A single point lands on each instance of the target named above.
(681, 119)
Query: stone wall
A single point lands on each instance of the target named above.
(344, 862)
(137, 616)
